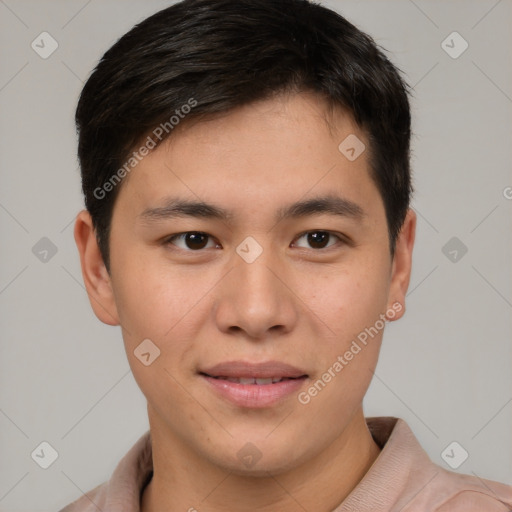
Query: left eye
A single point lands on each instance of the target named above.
(318, 239)
(192, 240)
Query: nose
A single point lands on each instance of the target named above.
(255, 299)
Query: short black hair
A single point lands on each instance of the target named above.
(199, 58)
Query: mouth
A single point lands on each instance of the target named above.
(252, 385)
(253, 380)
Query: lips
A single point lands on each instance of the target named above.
(242, 372)
(254, 385)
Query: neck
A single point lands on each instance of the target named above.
(183, 482)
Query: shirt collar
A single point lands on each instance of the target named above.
(397, 475)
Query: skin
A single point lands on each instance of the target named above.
(297, 303)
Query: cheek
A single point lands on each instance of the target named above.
(169, 308)
(158, 311)
(352, 310)
(347, 301)
(152, 300)
(358, 300)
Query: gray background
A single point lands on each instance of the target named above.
(445, 367)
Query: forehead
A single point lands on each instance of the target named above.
(286, 146)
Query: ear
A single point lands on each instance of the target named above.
(96, 278)
(401, 266)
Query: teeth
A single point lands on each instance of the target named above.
(252, 380)
(264, 381)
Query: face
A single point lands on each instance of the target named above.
(282, 271)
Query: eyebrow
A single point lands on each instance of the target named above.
(175, 207)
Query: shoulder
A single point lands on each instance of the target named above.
(89, 502)
(469, 501)
(122, 491)
(454, 492)
(421, 485)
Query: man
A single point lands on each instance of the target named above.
(245, 166)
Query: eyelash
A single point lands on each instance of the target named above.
(341, 239)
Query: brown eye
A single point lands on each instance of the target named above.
(192, 240)
(318, 239)
(196, 240)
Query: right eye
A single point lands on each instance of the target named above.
(191, 241)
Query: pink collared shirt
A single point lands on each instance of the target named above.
(402, 479)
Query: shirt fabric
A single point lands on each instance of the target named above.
(401, 479)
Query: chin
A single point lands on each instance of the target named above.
(249, 461)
